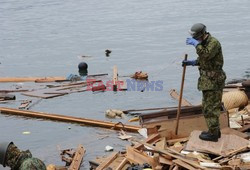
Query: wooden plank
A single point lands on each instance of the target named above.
(186, 125)
(107, 161)
(29, 79)
(150, 139)
(170, 114)
(13, 90)
(97, 75)
(183, 164)
(122, 164)
(228, 131)
(173, 141)
(60, 90)
(44, 94)
(24, 104)
(147, 109)
(164, 159)
(139, 157)
(244, 128)
(115, 78)
(161, 144)
(77, 160)
(176, 96)
(173, 154)
(231, 153)
(225, 144)
(69, 119)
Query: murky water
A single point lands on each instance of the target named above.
(46, 38)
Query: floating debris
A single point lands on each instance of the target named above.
(140, 75)
(107, 52)
(109, 148)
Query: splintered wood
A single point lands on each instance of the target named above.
(163, 153)
(77, 160)
(73, 158)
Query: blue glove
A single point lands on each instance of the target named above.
(189, 62)
(192, 41)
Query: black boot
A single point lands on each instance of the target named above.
(206, 132)
(209, 136)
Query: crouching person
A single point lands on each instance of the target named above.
(16, 159)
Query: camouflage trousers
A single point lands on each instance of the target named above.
(211, 105)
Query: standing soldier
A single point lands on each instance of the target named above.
(212, 77)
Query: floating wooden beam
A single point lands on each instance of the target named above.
(30, 79)
(69, 119)
(41, 79)
(147, 109)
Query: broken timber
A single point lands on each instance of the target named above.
(173, 154)
(69, 119)
(77, 160)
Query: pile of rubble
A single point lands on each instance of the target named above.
(162, 149)
(230, 152)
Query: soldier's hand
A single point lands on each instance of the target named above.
(192, 41)
(189, 62)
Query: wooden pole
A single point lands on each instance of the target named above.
(69, 119)
(180, 98)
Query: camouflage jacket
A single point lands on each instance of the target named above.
(22, 160)
(210, 62)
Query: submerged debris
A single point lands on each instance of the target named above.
(107, 52)
(113, 113)
(140, 75)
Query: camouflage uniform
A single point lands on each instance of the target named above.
(211, 81)
(22, 160)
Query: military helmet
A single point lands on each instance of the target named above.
(197, 30)
(3, 149)
(82, 66)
